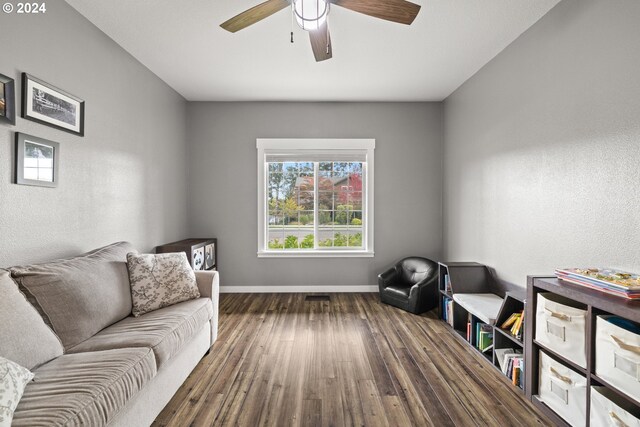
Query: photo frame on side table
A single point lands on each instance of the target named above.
(37, 161)
(46, 104)
(7, 100)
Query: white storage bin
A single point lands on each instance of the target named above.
(607, 410)
(563, 390)
(560, 326)
(618, 357)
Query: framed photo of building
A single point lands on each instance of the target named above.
(37, 161)
(46, 104)
(7, 100)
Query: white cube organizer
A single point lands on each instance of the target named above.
(607, 410)
(560, 326)
(618, 357)
(563, 390)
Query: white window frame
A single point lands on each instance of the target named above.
(270, 146)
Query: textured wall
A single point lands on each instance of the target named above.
(126, 179)
(223, 178)
(542, 147)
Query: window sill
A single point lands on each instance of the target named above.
(315, 254)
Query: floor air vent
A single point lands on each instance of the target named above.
(317, 298)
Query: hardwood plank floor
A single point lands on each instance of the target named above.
(283, 361)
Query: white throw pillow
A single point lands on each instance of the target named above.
(160, 280)
(13, 379)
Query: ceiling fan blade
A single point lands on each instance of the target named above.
(255, 14)
(400, 11)
(321, 43)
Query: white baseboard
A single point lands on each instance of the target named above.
(294, 289)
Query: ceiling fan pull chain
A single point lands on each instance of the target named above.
(328, 41)
(292, 18)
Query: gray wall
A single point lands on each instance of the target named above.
(542, 147)
(223, 177)
(126, 179)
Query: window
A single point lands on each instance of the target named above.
(315, 197)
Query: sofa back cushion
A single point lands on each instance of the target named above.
(24, 337)
(80, 296)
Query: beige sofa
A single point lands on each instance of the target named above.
(94, 363)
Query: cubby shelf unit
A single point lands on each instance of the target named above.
(472, 277)
(597, 303)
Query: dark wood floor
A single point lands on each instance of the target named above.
(352, 361)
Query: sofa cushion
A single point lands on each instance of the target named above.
(13, 380)
(82, 295)
(86, 389)
(160, 280)
(165, 330)
(17, 316)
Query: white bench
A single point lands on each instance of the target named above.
(484, 306)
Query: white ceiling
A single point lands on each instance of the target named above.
(373, 60)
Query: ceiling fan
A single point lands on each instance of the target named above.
(311, 16)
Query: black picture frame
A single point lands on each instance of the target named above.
(27, 166)
(51, 106)
(7, 100)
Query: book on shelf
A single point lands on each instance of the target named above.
(510, 321)
(514, 324)
(447, 283)
(516, 329)
(607, 280)
(447, 310)
(511, 362)
(484, 336)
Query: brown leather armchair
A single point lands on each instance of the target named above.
(411, 284)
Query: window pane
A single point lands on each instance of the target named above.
(354, 239)
(325, 182)
(341, 215)
(275, 230)
(305, 218)
(325, 237)
(325, 218)
(341, 169)
(325, 200)
(305, 200)
(355, 220)
(354, 199)
(305, 169)
(291, 240)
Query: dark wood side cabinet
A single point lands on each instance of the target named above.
(201, 253)
(597, 303)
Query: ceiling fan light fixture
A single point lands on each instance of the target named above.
(310, 14)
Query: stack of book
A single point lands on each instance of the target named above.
(484, 336)
(514, 324)
(511, 363)
(447, 310)
(607, 280)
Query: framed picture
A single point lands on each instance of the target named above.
(7, 100)
(198, 258)
(37, 161)
(46, 104)
(209, 256)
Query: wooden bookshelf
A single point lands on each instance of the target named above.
(597, 303)
(472, 277)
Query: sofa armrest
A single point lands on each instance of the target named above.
(209, 287)
(387, 278)
(429, 281)
(208, 283)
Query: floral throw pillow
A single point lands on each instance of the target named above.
(13, 379)
(160, 280)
